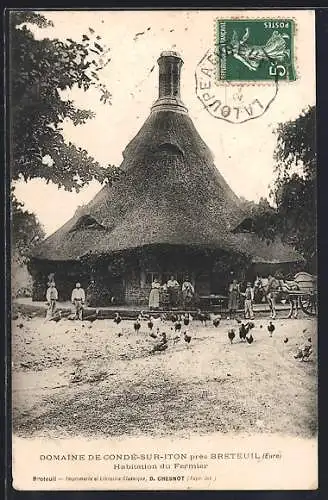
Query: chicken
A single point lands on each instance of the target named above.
(187, 338)
(177, 326)
(163, 337)
(305, 351)
(216, 320)
(153, 335)
(57, 317)
(173, 317)
(176, 339)
(186, 319)
(202, 317)
(285, 340)
(20, 325)
(231, 335)
(162, 344)
(249, 338)
(137, 325)
(92, 317)
(271, 328)
(243, 331)
(117, 318)
(160, 347)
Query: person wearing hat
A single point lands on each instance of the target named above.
(78, 300)
(249, 298)
(52, 297)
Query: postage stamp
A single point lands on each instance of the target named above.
(255, 49)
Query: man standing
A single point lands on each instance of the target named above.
(52, 297)
(78, 300)
(173, 288)
(249, 298)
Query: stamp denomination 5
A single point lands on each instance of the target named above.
(255, 49)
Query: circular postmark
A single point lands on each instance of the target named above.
(234, 102)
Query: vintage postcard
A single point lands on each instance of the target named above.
(164, 279)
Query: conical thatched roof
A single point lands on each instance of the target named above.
(169, 192)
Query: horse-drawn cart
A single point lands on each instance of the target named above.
(303, 290)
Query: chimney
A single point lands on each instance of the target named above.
(169, 65)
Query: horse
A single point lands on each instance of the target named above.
(261, 288)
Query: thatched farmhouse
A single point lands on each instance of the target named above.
(170, 212)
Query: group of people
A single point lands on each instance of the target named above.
(234, 298)
(173, 290)
(77, 299)
(270, 288)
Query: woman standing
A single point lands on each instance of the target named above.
(188, 292)
(154, 295)
(234, 295)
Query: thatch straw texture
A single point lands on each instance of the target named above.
(170, 192)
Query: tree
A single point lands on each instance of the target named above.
(40, 70)
(294, 190)
(261, 218)
(293, 218)
(26, 231)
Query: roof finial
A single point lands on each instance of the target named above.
(169, 64)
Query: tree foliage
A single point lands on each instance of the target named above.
(40, 70)
(261, 218)
(296, 146)
(294, 189)
(26, 231)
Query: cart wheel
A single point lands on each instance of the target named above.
(308, 304)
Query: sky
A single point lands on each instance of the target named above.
(243, 152)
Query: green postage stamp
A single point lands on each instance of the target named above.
(255, 49)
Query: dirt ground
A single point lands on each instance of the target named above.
(81, 379)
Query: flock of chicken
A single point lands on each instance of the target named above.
(180, 325)
(157, 323)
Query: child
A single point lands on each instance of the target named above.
(52, 297)
(272, 292)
